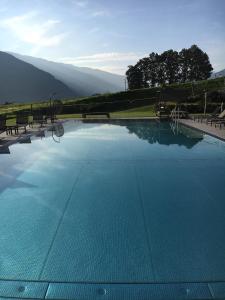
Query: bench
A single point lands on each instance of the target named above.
(84, 115)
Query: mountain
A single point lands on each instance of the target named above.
(22, 82)
(218, 74)
(83, 81)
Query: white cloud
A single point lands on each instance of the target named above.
(113, 69)
(104, 57)
(114, 62)
(36, 33)
(81, 4)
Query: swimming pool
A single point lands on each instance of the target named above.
(113, 210)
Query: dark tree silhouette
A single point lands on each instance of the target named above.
(184, 64)
(199, 65)
(134, 78)
(170, 62)
(169, 67)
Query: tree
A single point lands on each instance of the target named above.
(143, 66)
(160, 70)
(134, 78)
(170, 66)
(190, 64)
(184, 65)
(200, 67)
(153, 65)
(194, 64)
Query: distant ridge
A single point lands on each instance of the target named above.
(22, 82)
(218, 74)
(83, 81)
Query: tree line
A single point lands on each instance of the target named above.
(169, 67)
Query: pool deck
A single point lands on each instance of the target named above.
(208, 129)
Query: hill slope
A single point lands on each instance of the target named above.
(83, 81)
(218, 74)
(21, 82)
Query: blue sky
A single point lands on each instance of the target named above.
(110, 35)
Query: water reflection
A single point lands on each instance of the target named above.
(57, 131)
(152, 131)
(42, 145)
(166, 133)
(4, 150)
(12, 168)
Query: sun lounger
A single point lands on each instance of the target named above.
(4, 127)
(38, 118)
(21, 122)
(219, 118)
(214, 114)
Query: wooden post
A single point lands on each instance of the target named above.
(205, 106)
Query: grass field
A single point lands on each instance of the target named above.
(144, 111)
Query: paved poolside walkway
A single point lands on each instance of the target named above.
(212, 130)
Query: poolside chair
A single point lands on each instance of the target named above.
(22, 121)
(38, 118)
(220, 118)
(216, 112)
(203, 118)
(4, 127)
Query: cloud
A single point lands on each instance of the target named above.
(114, 62)
(81, 4)
(36, 33)
(104, 57)
(114, 69)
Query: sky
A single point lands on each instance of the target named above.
(110, 35)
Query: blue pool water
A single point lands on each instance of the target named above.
(131, 208)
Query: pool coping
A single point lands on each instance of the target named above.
(26, 289)
(209, 130)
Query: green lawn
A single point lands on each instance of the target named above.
(144, 111)
(69, 116)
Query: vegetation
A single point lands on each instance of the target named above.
(169, 67)
(138, 102)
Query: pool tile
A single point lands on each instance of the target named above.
(186, 225)
(30, 211)
(23, 289)
(129, 292)
(102, 236)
